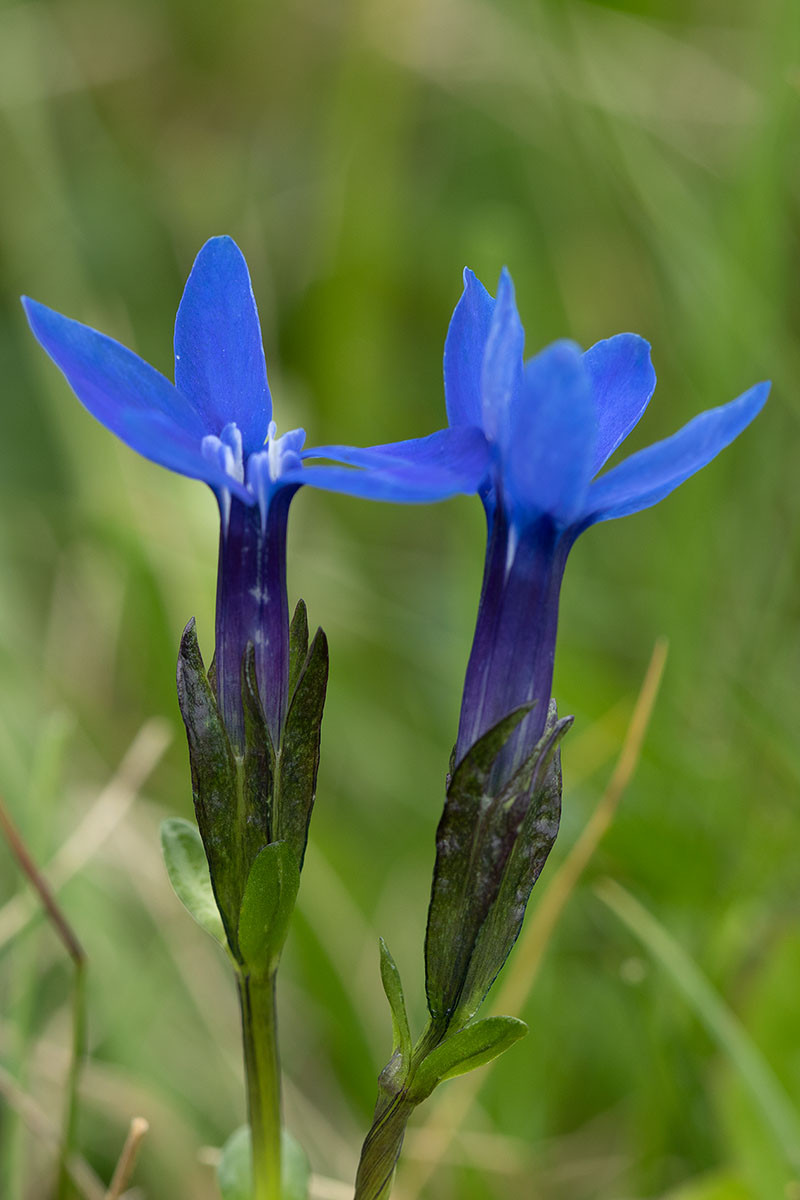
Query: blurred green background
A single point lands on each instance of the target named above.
(636, 166)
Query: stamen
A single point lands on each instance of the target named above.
(266, 467)
(225, 452)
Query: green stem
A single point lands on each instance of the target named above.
(381, 1149)
(262, 1068)
(383, 1143)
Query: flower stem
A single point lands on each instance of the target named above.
(381, 1149)
(262, 1069)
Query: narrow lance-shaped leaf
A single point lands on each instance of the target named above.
(470, 1047)
(532, 845)
(393, 987)
(298, 644)
(214, 781)
(187, 868)
(473, 842)
(257, 768)
(267, 906)
(298, 758)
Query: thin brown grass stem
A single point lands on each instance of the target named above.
(127, 1159)
(69, 939)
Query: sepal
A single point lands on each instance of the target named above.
(214, 779)
(298, 644)
(532, 845)
(257, 766)
(491, 845)
(298, 757)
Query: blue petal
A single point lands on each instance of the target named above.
(623, 380)
(649, 476)
(548, 464)
(464, 349)
(219, 359)
(501, 377)
(415, 471)
(127, 395)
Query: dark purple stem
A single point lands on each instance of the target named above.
(252, 606)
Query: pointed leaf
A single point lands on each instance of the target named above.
(187, 868)
(235, 1169)
(392, 986)
(473, 842)
(471, 1047)
(298, 759)
(295, 1169)
(298, 644)
(214, 779)
(532, 845)
(256, 768)
(267, 906)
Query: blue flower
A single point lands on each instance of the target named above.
(215, 424)
(551, 422)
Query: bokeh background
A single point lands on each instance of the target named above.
(636, 166)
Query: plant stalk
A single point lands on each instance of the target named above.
(262, 1070)
(381, 1149)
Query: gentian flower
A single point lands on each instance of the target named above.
(215, 424)
(552, 422)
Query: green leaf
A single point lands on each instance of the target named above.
(256, 768)
(471, 1047)
(235, 1170)
(533, 843)
(269, 899)
(298, 757)
(477, 839)
(187, 868)
(298, 644)
(392, 986)
(295, 1169)
(214, 779)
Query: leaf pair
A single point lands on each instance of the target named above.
(268, 901)
(421, 1070)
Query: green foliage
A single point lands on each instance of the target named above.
(392, 986)
(300, 746)
(634, 164)
(267, 906)
(473, 1046)
(187, 868)
(234, 1173)
(215, 781)
(491, 845)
